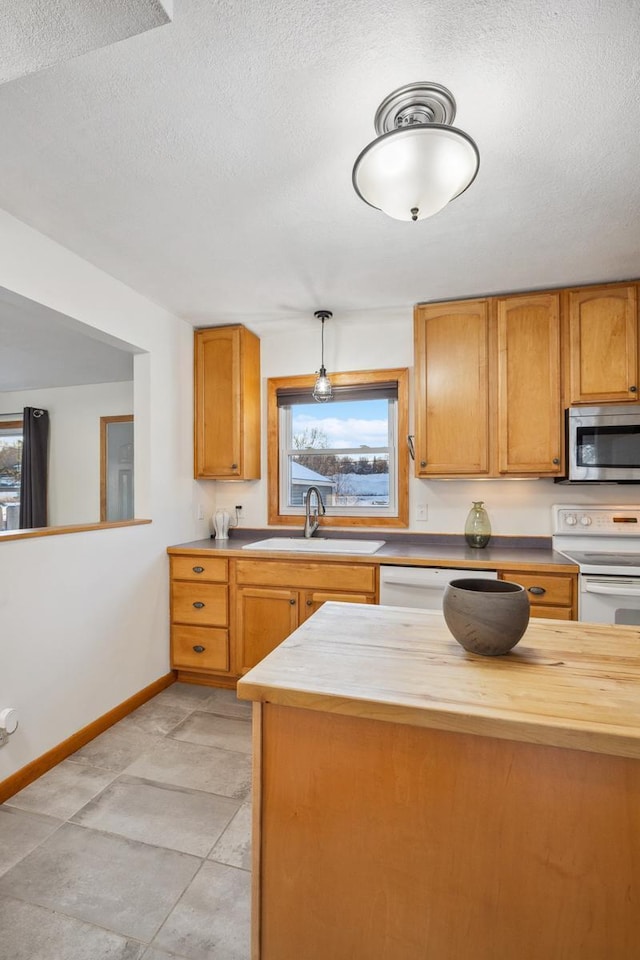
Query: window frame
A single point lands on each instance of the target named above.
(11, 428)
(358, 378)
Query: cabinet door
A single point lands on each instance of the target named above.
(227, 403)
(313, 599)
(264, 618)
(452, 388)
(529, 391)
(603, 344)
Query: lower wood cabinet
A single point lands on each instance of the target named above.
(227, 613)
(200, 618)
(552, 595)
(267, 610)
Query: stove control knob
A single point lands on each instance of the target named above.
(585, 521)
(570, 520)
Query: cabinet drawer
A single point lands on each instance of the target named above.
(306, 573)
(557, 588)
(199, 568)
(199, 648)
(204, 604)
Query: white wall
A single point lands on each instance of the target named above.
(84, 618)
(74, 442)
(381, 339)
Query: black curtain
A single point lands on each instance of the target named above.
(33, 485)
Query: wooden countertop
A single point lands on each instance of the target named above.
(566, 684)
(397, 552)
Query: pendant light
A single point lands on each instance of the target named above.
(322, 389)
(419, 162)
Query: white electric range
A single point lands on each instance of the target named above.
(605, 543)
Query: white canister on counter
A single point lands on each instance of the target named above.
(221, 524)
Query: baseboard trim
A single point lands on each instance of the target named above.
(26, 775)
(206, 680)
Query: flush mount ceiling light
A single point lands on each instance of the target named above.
(419, 161)
(322, 390)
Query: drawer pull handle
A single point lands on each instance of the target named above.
(538, 591)
(198, 604)
(198, 569)
(199, 648)
(292, 602)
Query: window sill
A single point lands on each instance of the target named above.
(67, 528)
(283, 520)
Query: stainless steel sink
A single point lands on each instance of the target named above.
(316, 545)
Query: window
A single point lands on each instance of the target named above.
(349, 448)
(10, 472)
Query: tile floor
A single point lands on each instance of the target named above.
(138, 845)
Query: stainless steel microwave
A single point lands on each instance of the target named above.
(603, 444)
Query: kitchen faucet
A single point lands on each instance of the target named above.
(311, 521)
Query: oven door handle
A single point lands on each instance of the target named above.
(618, 591)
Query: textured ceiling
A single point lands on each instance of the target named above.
(38, 33)
(208, 163)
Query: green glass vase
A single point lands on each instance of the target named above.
(477, 529)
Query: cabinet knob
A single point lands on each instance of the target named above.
(199, 648)
(556, 461)
(309, 603)
(537, 591)
(198, 569)
(292, 602)
(234, 466)
(423, 463)
(633, 389)
(198, 604)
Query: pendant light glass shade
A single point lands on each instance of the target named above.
(322, 390)
(417, 166)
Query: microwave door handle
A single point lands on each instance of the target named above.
(619, 591)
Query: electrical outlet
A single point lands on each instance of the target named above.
(421, 511)
(199, 512)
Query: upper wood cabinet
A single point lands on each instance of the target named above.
(603, 344)
(227, 404)
(488, 390)
(529, 388)
(452, 388)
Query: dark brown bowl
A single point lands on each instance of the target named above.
(486, 616)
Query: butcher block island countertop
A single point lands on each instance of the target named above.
(565, 684)
(412, 800)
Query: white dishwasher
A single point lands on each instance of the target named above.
(422, 587)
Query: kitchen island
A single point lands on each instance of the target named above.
(416, 801)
